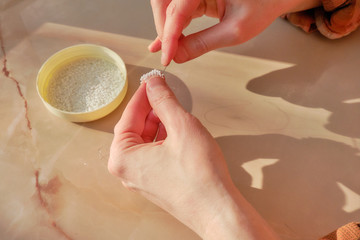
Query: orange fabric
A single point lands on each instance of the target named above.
(350, 231)
(335, 19)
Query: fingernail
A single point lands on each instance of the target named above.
(154, 82)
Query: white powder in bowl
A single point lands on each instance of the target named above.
(85, 85)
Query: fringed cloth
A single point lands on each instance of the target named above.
(334, 19)
(350, 231)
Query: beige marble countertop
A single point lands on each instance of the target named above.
(284, 107)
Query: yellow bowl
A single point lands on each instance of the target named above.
(65, 57)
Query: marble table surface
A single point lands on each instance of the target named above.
(284, 107)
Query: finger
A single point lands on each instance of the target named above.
(178, 14)
(164, 103)
(132, 122)
(220, 35)
(151, 127)
(159, 13)
(161, 135)
(155, 46)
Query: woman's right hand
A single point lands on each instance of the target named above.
(240, 20)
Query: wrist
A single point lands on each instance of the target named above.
(225, 224)
(237, 219)
(205, 208)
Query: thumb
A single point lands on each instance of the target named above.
(164, 103)
(194, 45)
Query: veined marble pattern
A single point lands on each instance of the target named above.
(283, 107)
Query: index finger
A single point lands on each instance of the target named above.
(159, 12)
(132, 122)
(178, 13)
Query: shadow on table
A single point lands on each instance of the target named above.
(313, 182)
(181, 91)
(306, 184)
(320, 79)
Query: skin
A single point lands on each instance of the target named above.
(181, 169)
(239, 21)
(163, 152)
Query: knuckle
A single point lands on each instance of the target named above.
(117, 165)
(129, 186)
(163, 97)
(192, 121)
(237, 34)
(168, 38)
(117, 128)
(189, 118)
(193, 125)
(200, 45)
(115, 170)
(239, 31)
(171, 9)
(188, 121)
(156, 2)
